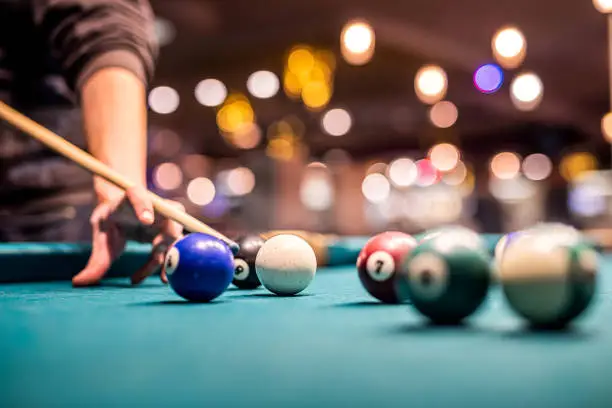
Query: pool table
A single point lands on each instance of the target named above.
(121, 346)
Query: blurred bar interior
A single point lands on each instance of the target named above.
(353, 117)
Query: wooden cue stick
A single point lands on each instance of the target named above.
(95, 166)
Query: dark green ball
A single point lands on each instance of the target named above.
(445, 279)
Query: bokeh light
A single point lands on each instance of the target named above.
(309, 75)
(575, 164)
(316, 188)
(526, 91)
(201, 191)
(235, 113)
(428, 175)
(456, 176)
(587, 201)
(263, 84)
(163, 100)
(430, 84)
(603, 6)
(240, 181)
(512, 190)
(443, 114)
(165, 32)
(403, 172)
(444, 156)
(210, 92)
(505, 165)
(488, 78)
(357, 42)
(168, 176)
(537, 167)
(509, 47)
(336, 122)
(377, 167)
(606, 126)
(375, 188)
(245, 137)
(316, 94)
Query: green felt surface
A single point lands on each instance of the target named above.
(31, 262)
(116, 346)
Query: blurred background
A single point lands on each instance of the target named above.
(354, 117)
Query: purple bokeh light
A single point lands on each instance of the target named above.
(488, 78)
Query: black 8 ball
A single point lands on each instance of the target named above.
(245, 276)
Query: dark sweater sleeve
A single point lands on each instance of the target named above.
(88, 35)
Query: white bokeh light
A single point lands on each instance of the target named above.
(210, 92)
(430, 84)
(603, 6)
(168, 176)
(444, 156)
(163, 100)
(317, 191)
(375, 188)
(403, 172)
(263, 84)
(526, 91)
(165, 32)
(537, 166)
(201, 191)
(509, 42)
(358, 37)
(443, 114)
(336, 122)
(240, 181)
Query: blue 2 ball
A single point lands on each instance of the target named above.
(199, 267)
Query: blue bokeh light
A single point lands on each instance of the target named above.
(488, 78)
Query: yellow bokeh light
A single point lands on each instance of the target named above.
(301, 59)
(235, 113)
(316, 94)
(309, 75)
(327, 58)
(282, 148)
(292, 85)
(575, 164)
(469, 182)
(606, 126)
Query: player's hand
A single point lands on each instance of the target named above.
(109, 239)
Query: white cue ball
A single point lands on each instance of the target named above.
(286, 264)
(549, 279)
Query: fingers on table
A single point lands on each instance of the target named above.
(107, 243)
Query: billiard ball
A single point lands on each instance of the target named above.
(547, 279)
(199, 267)
(446, 279)
(379, 260)
(245, 276)
(286, 264)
